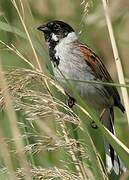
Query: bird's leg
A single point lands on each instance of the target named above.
(102, 113)
(93, 125)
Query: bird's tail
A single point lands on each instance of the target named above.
(113, 162)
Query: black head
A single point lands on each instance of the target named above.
(55, 30)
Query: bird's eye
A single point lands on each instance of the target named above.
(56, 27)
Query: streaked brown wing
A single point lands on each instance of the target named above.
(101, 73)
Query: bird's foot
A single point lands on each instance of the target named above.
(71, 101)
(93, 125)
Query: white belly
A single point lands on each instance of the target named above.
(72, 66)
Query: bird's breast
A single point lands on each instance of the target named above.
(71, 64)
(73, 70)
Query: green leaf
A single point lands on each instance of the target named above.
(118, 146)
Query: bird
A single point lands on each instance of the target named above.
(76, 61)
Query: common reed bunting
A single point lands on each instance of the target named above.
(74, 60)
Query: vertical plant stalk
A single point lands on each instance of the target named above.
(78, 164)
(13, 121)
(117, 59)
(4, 151)
(27, 33)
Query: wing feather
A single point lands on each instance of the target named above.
(101, 73)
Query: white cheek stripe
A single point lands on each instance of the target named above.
(54, 37)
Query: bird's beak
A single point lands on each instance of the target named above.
(43, 28)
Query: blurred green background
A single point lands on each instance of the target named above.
(87, 18)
